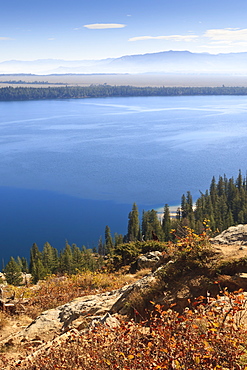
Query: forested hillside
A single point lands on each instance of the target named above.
(97, 91)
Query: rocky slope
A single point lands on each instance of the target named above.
(227, 261)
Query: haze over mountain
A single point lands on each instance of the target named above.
(162, 62)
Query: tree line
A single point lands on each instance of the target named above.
(96, 91)
(70, 260)
(224, 204)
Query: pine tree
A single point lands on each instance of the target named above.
(35, 255)
(213, 191)
(178, 214)
(108, 241)
(19, 261)
(118, 239)
(66, 259)
(77, 259)
(13, 273)
(166, 223)
(101, 247)
(37, 268)
(239, 181)
(151, 225)
(49, 259)
(133, 224)
(188, 217)
(24, 265)
(38, 272)
(89, 262)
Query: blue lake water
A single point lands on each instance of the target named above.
(68, 168)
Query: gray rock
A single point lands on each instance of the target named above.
(144, 283)
(148, 260)
(233, 235)
(107, 319)
(60, 319)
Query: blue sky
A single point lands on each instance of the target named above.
(96, 29)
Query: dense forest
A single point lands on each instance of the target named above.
(223, 205)
(98, 91)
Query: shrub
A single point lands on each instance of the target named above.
(200, 339)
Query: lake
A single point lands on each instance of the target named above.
(70, 167)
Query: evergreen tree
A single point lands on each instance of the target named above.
(133, 224)
(35, 255)
(166, 223)
(118, 239)
(188, 217)
(38, 272)
(19, 261)
(213, 190)
(89, 262)
(37, 268)
(108, 241)
(178, 214)
(24, 264)
(49, 258)
(66, 259)
(101, 247)
(12, 272)
(239, 181)
(221, 186)
(77, 259)
(151, 225)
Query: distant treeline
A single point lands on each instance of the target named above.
(18, 82)
(98, 91)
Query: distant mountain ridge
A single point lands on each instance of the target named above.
(161, 62)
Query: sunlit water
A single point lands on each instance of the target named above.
(69, 168)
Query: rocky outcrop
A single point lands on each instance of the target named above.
(233, 235)
(148, 260)
(81, 312)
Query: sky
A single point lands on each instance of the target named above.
(98, 29)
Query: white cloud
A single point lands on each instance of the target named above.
(103, 26)
(186, 38)
(227, 35)
(5, 38)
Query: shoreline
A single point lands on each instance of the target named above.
(137, 80)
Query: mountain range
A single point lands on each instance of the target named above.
(162, 62)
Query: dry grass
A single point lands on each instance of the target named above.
(56, 291)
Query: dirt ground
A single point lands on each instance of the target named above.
(232, 251)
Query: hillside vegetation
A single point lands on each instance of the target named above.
(185, 318)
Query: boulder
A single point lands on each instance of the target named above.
(83, 311)
(108, 320)
(59, 319)
(233, 235)
(148, 260)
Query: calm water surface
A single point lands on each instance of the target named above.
(70, 167)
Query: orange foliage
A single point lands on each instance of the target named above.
(205, 338)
